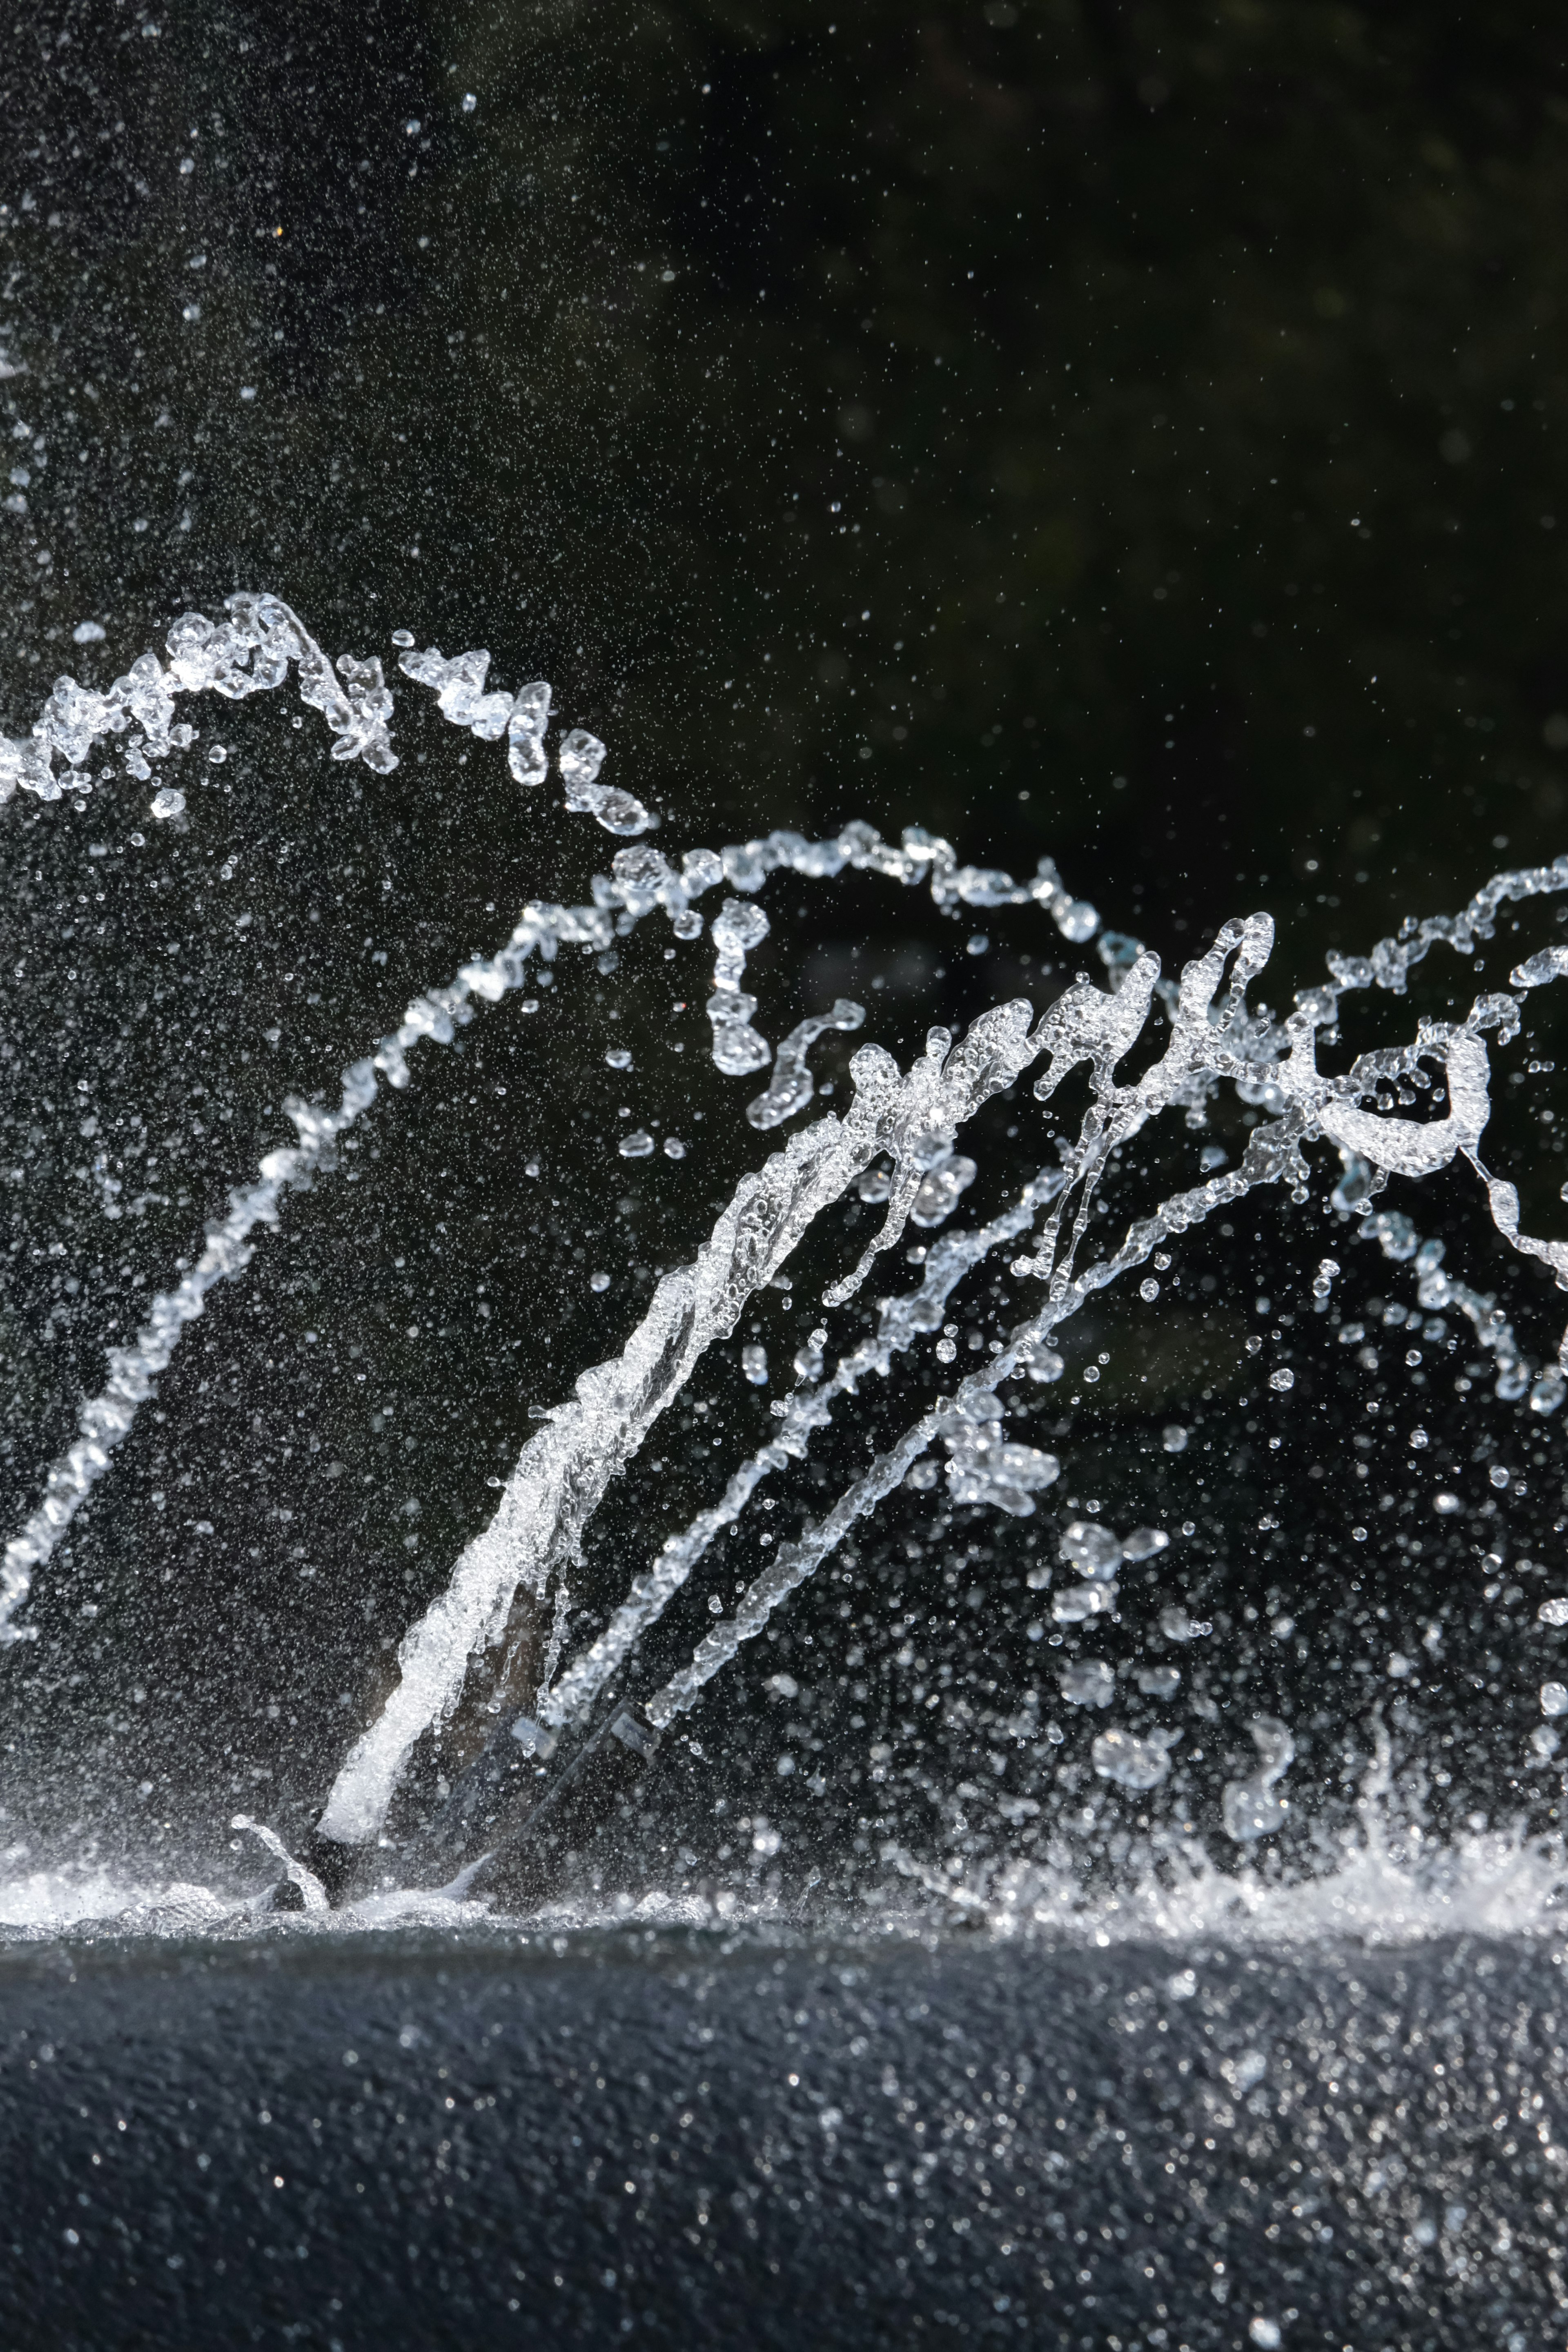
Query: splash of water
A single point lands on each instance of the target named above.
(895, 1144)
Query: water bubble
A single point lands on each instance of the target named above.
(1283, 1379)
(88, 632)
(1447, 1504)
(617, 1058)
(1554, 1612)
(1133, 1763)
(1177, 1626)
(1159, 1682)
(1265, 2333)
(1183, 1985)
(469, 103)
(1091, 1683)
(1554, 1698)
(598, 1282)
(167, 803)
(754, 1364)
(217, 755)
(637, 1145)
(1148, 1291)
(1498, 1475)
(1144, 1542)
(673, 1148)
(1173, 1437)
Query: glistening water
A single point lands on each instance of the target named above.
(1066, 1484)
(784, 1372)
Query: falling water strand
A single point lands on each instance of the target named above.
(563, 1472)
(1085, 1026)
(460, 697)
(901, 1321)
(738, 1049)
(105, 1419)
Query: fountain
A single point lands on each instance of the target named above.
(1095, 1587)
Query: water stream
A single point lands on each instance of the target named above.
(1100, 1540)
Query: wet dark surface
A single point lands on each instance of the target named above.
(407, 2141)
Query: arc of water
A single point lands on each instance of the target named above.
(641, 879)
(248, 654)
(105, 1419)
(563, 1472)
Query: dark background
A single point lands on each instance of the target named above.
(1133, 433)
(1177, 388)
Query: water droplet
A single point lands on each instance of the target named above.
(1283, 1379)
(1177, 1626)
(1148, 1291)
(1091, 1683)
(637, 1145)
(1093, 1550)
(1133, 1763)
(1554, 1698)
(1250, 1808)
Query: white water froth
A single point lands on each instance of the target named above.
(1389, 1886)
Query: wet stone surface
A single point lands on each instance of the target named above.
(681, 2141)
